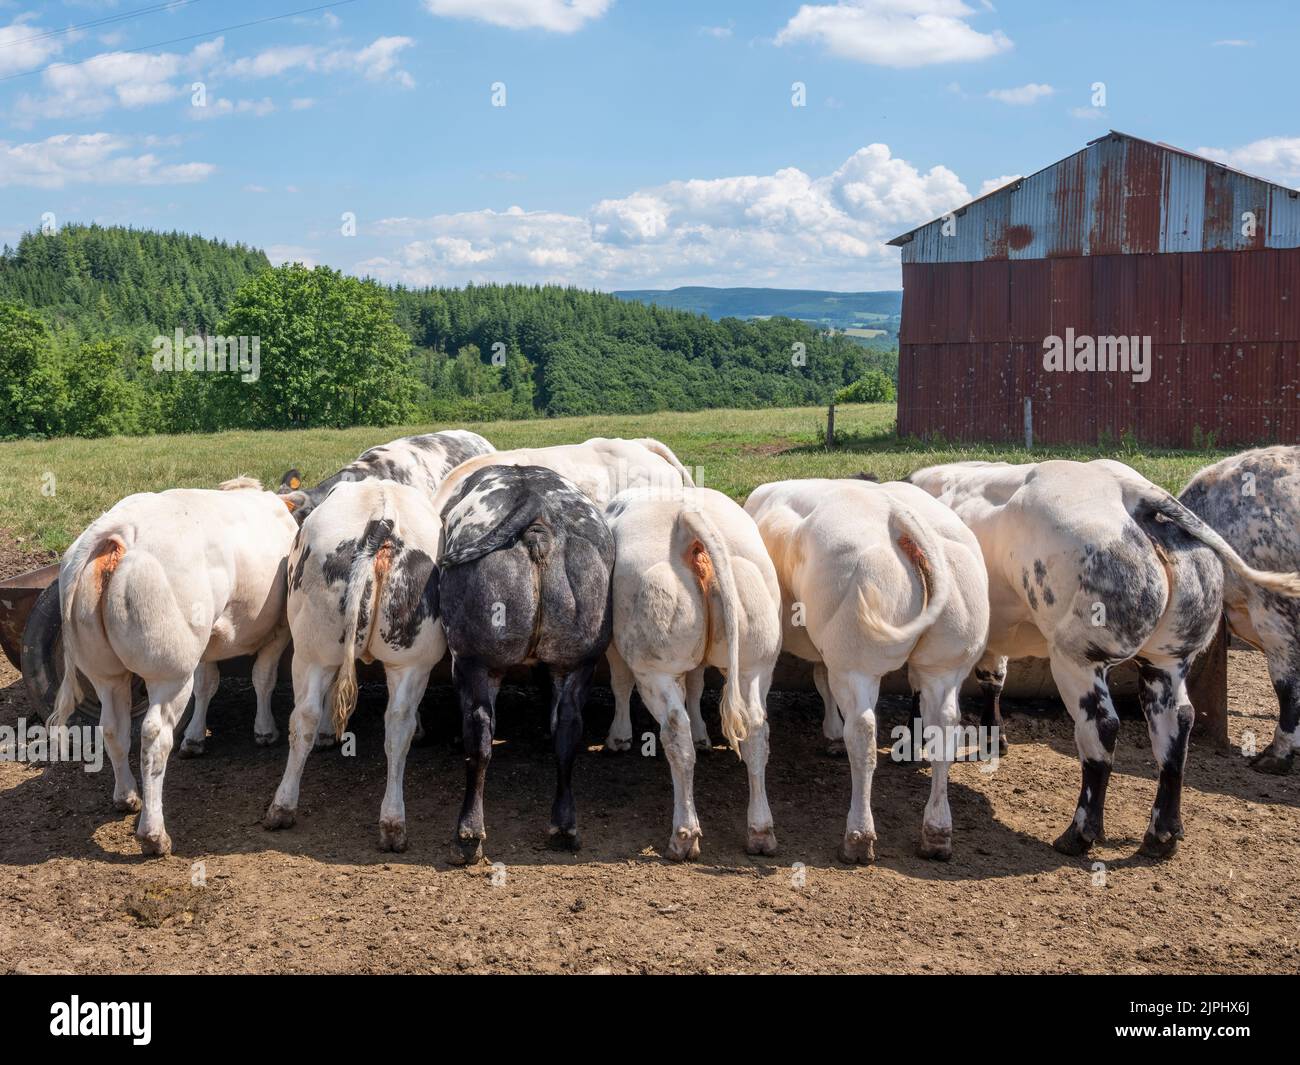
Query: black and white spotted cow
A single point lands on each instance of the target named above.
(525, 579)
(362, 584)
(1253, 501)
(1089, 565)
(419, 461)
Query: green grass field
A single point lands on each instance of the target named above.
(51, 489)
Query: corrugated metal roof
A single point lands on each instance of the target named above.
(1119, 195)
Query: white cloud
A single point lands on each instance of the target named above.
(894, 33)
(1022, 95)
(787, 228)
(993, 184)
(222, 107)
(557, 16)
(1277, 158)
(721, 32)
(90, 159)
(377, 61)
(1234, 42)
(279, 254)
(139, 79)
(301, 103)
(1088, 114)
(18, 51)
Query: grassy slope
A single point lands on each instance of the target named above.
(736, 450)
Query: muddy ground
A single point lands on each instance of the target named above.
(321, 897)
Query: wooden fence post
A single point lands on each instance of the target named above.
(830, 425)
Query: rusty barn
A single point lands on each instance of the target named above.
(1126, 238)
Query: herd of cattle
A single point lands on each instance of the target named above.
(556, 556)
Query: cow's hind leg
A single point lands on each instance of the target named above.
(621, 681)
(1082, 686)
(266, 669)
(694, 693)
(991, 673)
(476, 690)
(207, 679)
(832, 722)
(856, 695)
(167, 701)
(939, 711)
(572, 695)
(761, 832)
(311, 684)
(1279, 630)
(115, 719)
(406, 686)
(664, 697)
(1169, 714)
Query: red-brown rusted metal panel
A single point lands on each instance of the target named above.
(1224, 331)
(1143, 186)
(990, 302)
(1031, 300)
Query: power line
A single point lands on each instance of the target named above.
(121, 16)
(187, 37)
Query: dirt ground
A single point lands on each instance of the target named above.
(321, 897)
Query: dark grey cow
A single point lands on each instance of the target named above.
(526, 563)
(1253, 501)
(419, 461)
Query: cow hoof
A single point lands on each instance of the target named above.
(857, 848)
(1155, 847)
(936, 843)
(836, 748)
(466, 849)
(684, 844)
(130, 805)
(155, 844)
(617, 744)
(191, 748)
(392, 836)
(266, 739)
(1003, 746)
(1072, 841)
(324, 741)
(278, 817)
(563, 839)
(761, 841)
(703, 745)
(1267, 762)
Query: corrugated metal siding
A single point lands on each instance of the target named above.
(1119, 195)
(1224, 328)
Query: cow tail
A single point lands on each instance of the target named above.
(365, 583)
(656, 447)
(919, 546)
(710, 559)
(82, 580)
(1164, 507)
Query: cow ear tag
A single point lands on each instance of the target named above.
(295, 484)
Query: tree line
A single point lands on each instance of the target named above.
(108, 330)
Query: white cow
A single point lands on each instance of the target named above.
(1090, 564)
(874, 576)
(693, 587)
(1253, 501)
(165, 586)
(362, 584)
(600, 467)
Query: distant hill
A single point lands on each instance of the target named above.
(842, 310)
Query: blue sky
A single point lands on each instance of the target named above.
(641, 144)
